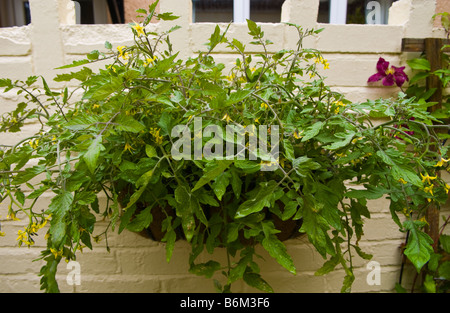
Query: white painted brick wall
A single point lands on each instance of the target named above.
(137, 264)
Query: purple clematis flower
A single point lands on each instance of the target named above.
(389, 75)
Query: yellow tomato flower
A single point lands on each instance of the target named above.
(122, 53)
(227, 118)
(427, 178)
(139, 29)
(55, 253)
(128, 147)
(441, 162)
(297, 135)
(264, 105)
(429, 189)
(403, 181)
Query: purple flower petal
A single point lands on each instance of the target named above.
(399, 75)
(388, 80)
(382, 66)
(375, 77)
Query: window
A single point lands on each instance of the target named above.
(14, 13)
(99, 11)
(354, 11)
(237, 11)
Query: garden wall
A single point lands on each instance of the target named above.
(137, 264)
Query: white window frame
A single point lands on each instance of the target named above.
(241, 11)
(338, 11)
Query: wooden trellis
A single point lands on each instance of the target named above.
(432, 48)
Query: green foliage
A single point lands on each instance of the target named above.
(116, 143)
(428, 257)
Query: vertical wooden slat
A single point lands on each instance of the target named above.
(433, 53)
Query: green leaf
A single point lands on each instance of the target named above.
(419, 247)
(444, 270)
(347, 138)
(113, 84)
(238, 96)
(61, 203)
(48, 273)
(232, 232)
(27, 174)
(316, 227)
(220, 185)
(429, 284)
(142, 183)
(74, 64)
(371, 193)
(236, 183)
(150, 151)
(419, 64)
(278, 251)
(93, 152)
(93, 55)
(257, 203)
(254, 29)
(328, 266)
(211, 171)
(408, 175)
(348, 281)
(205, 269)
(255, 280)
(444, 240)
(142, 220)
(312, 131)
(185, 211)
(128, 124)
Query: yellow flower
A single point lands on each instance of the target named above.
(447, 188)
(21, 235)
(429, 189)
(156, 135)
(442, 161)
(427, 178)
(34, 143)
(2, 234)
(139, 29)
(150, 61)
(12, 216)
(227, 118)
(122, 53)
(297, 135)
(403, 181)
(324, 62)
(55, 253)
(264, 105)
(128, 147)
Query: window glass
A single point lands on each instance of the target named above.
(358, 11)
(14, 13)
(221, 11)
(217, 11)
(266, 11)
(99, 11)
